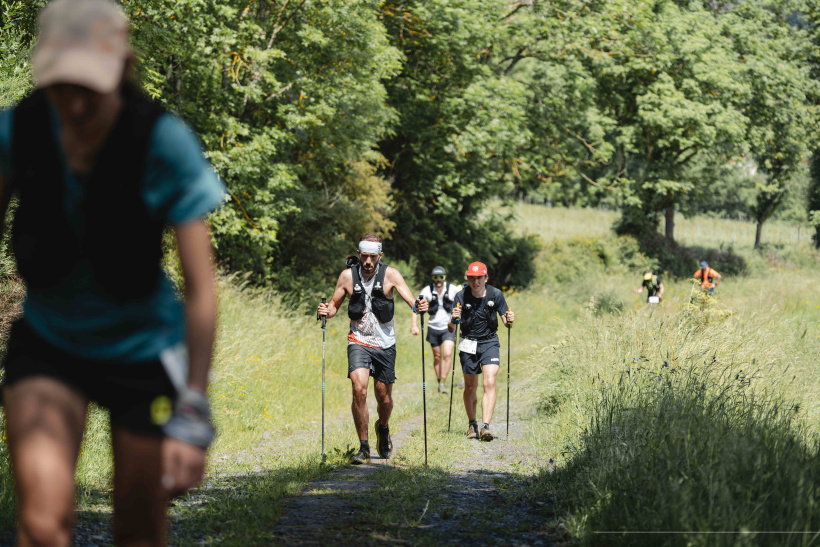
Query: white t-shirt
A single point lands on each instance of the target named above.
(367, 331)
(439, 322)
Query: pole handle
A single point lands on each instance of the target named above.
(323, 318)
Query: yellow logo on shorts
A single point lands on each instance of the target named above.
(161, 410)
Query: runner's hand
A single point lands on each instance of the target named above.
(510, 316)
(414, 331)
(322, 309)
(182, 466)
(422, 305)
(457, 311)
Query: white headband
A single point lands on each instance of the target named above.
(370, 247)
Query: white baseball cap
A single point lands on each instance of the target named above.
(82, 42)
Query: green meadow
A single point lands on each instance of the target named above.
(696, 416)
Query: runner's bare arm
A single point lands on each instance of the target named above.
(196, 259)
(183, 463)
(414, 328)
(399, 284)
(344, 286)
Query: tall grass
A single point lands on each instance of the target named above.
(681, 419)
(691, 450)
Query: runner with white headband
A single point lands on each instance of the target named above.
(371, 346)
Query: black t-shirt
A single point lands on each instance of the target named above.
(481, 310)
(653, 286)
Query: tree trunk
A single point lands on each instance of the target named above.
(670, 224)
(758, 232)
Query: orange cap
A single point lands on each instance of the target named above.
(476, 269)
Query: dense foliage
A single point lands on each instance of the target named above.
(417, 119)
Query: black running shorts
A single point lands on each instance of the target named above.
(381, 362)
(437, 337)
(487, 353)
(139, 396)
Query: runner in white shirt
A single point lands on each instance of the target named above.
(441, 296)
(371, 350)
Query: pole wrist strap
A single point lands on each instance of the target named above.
(191, 421)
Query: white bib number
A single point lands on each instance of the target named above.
(654, 300)
(468, 346)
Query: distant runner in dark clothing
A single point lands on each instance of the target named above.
(653, 285)
(478, 308)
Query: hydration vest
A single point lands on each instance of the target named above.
(447, 301)
(382, 306)
(468, 312)
(705, 275)
(113, 233)
(653, 285)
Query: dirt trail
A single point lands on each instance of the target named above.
(479, 501)
(325, 509)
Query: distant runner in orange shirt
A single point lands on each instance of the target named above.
(709, 278)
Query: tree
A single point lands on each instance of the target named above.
(289, 100)
(652, 96)
(779, 105)
(644, 88)
(813, 197)
(461, 124)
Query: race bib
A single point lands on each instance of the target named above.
(654, 300)
(468, 346)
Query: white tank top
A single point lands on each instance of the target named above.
(367, 331)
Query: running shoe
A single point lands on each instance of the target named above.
(384, 445)
(360, 457)
(472, 430)
(442, 388)
(486, 434)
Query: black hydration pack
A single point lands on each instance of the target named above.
(447, 302)
(468, 312)
(382, 306)
(114, 233)
(653, 286)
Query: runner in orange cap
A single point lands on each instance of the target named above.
(478, 309)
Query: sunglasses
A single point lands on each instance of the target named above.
(439, 277)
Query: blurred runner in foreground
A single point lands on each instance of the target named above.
(100, 171)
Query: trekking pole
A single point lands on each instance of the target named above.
(509, 330)
(453, 377)
(423, 386)
(324, 323)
